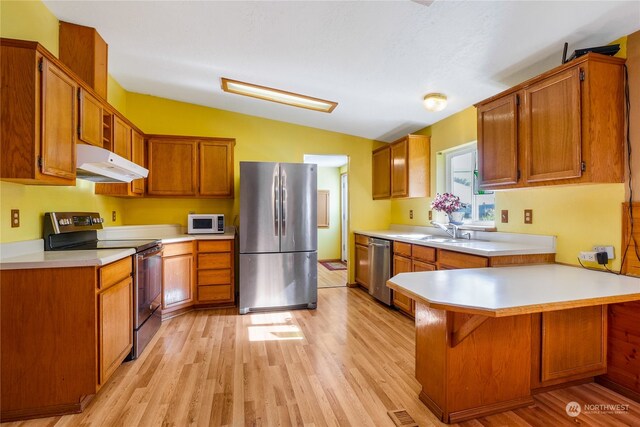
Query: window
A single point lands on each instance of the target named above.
(461, 172)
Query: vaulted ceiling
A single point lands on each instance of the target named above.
(377, 59)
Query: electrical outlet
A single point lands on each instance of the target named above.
(15, 218)
(430, 215)
(504, 216)
(588, 256)
(604, 248)
(528, 216)
(113, 216)
(411, 214)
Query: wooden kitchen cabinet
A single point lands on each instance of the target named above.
(362, 260)
(55, 362)
(115, 306)
(381, 173)
(90, 129)
(402, 265)
(215, 273)
(206, 166)
(565, 126)
(37, 116)
(178, 271)
(121, 137)
(410, 172)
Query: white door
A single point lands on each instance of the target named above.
(344, 216)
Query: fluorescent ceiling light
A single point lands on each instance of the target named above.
(277, 95)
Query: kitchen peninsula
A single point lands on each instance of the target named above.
(489, 338)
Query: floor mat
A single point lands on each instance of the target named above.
(334, 265)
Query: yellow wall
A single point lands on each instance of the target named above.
(329, 238)
(116, 95)
(29, 20)
(257, 139)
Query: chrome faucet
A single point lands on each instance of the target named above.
(454, 231)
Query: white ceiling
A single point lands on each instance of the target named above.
(326, 161)
(377, 59)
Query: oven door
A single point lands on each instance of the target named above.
(148, 284)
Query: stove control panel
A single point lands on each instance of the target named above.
(66, 222)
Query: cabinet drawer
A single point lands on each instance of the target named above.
(217, 261)
(177, 249)
(113, 273)
(459, 260)
(214, 277)
(362, 240)
(403, 249)
(423, 253)
(214, 245)
(422, 266)
(214, 293)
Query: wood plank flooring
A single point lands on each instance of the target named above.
(331, 278)
(346, 363)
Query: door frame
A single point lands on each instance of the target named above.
(344, 217)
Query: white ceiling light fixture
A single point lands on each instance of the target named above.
(435, 102)
(277, 95)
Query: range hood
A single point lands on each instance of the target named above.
(100, 165)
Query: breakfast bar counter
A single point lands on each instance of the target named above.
(487, 339)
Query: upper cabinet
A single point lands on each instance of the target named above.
(86, 53)
(381, 173)
(402, 169)
(565, 126)
(90, 129)
(190, 166)
(37, 116)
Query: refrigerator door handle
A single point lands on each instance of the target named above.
(276, 203)
(284, 204)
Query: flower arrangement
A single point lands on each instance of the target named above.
(446, 203)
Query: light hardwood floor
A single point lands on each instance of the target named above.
(331, 278)
(346, 363)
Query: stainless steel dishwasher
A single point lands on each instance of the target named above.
(379, 269)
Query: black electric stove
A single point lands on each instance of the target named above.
(77, 231)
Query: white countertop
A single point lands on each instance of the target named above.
(31, 254)
(509, 291)
(60, 259)
(488, 244)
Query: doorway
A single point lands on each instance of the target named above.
(333, 218)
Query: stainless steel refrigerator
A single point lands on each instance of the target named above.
(278, 236)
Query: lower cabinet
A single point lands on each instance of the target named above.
(215, 272)
(362, 260)
(401, 301)
(177, 278)
(115, 327)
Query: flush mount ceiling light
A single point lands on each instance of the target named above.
(277, 95)
(435, 101)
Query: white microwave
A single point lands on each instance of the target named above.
(205, 223)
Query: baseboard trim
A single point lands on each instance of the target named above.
(620, 389)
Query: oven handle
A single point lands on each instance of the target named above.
(154, 251)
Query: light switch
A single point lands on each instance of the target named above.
(430, 215)
(504, 216)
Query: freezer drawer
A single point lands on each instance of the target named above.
(278, 281)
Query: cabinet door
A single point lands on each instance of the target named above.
(403, 302)
(177, 280)
(137, 157)
(216, 169)
(423, 266)
(552, 128)
(362, 265)
(58, 122)
(399, 169)
(498, 142)
(91, 119)
(574, 342)
(115, 307)
(121, 138)
(381, 173)
(172, 167)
